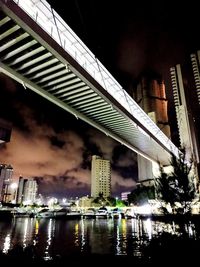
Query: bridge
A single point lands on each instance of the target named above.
(40, 51)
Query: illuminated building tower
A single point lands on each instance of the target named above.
(181, 108)
(185, 122)
(30, 191)
(6, 172)
(19, 198)
(27, 191)
(100, 177)
(195, 58)
(151, 97)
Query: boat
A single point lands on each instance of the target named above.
(89, 213)
(116, 213)
(62, 213)
(45, 213)
(102, 213)
(129, 214)
(74, 214)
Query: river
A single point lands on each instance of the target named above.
(52, 237)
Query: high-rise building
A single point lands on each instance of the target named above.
(6, 172)
(181, 107)
(30, 191)
(19, 198)
(187, 135)
(27, 191)
(195, 58)
(151, 97)
(100, 177)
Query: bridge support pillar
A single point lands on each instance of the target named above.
(144, 169)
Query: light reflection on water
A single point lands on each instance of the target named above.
(51, 232)
(121, 245)
(6, 244)
(100, 236)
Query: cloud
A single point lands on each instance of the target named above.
(32, 153)
(118, 182)
(105, 144)
(62, 186)
(129, 158)
(80, 175)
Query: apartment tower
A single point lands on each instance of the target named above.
(195, 58)
(6, 172)
(100, 177)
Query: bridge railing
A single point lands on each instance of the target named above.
(57, 28)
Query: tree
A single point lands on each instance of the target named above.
(178, 186)
(141, 194)
(120, 203)
(111, 201)
(100, 200)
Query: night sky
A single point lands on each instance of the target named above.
(129, 38)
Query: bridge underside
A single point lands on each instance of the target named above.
(30, 56)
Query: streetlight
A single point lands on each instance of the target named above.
(116, 200)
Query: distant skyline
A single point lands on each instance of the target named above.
(54, 146)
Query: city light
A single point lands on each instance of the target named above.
(52, 201)
(14, 186)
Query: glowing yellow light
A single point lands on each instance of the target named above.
(123, 222)
(36, 227)
(76, 227)
(76, 234)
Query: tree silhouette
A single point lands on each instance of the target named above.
(141, 194)
(100, 200)
(178, 186)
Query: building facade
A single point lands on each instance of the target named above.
(6, 172)
(181, 107)
(100, 177)
(27, 191)
(19, 198)
(85, 202)
(195, 58)
(185, 120)
(124, 195)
